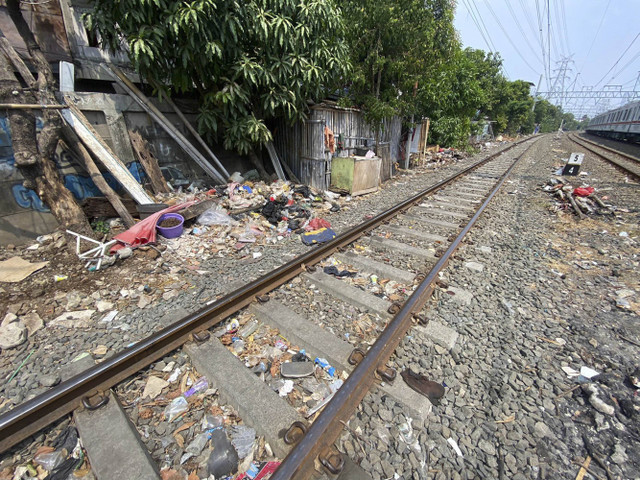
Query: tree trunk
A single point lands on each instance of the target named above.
(34, 155)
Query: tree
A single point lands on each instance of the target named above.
(395, 45)
(247, 61)
(34, 153)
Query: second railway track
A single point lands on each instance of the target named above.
(426, 228)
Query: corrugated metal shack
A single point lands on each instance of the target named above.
(303, 148)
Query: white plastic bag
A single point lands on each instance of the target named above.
(215, 216)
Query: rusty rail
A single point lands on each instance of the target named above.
(612, 150)
(619, 166)
(38, 412)
(320, 436)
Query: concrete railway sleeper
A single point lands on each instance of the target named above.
(395, 230)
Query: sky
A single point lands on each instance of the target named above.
(593, 34)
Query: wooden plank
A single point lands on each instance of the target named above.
(148, 162)
(77, 121)
(97, 177)
(29, 106)
(17, 62)
(142, 100)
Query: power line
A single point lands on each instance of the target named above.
(547, 72)
(564, 25)
(595, 36)
(617, 61)
(479, 21)
(528, 19)
(508, 37)
(526, 39)
(475, 20)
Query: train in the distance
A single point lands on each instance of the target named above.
(622, 123)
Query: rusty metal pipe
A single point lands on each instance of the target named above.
(299, 464)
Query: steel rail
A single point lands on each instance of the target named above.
(604, 157)
(612, 150)
(320, 436)
(40, 411)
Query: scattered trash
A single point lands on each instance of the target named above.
(215, 216)
(296, 369)
(324, 364)
(333, 270)
(595, 400)
(223, 460)
(286, 388)
(170, 225)
(15, 269)
(321, 235)
(243, 439)
(201, 385)
(176, 408)
(455, 446)
(197, 444)
(421, 384)
(154, 387)
(60, 278)
(259, 471)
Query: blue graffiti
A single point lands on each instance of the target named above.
(27, 198)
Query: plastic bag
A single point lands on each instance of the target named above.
(198, 444)
(176, 408)
(215, 216)
(199, 386)
(50, 460)
(242, 438)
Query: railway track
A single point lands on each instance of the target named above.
(450, 208)
(626, 163)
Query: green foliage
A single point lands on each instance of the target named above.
(100, 226)
(248, 61)
(394, 46)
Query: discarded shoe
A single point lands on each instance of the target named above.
(421, 384)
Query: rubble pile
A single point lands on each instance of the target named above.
(583, 199)
(436, 157)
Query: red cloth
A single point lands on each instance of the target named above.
(583, 191)
(317, 223)
(144, 231)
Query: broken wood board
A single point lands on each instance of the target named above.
(79, 123)
(148, 162)
(142, 100)
(96, 207)
(196, 210)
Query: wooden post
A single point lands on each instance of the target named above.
(96, 176)
(82, 127)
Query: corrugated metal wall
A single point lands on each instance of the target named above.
(302, 147)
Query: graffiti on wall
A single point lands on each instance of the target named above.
(75, 178)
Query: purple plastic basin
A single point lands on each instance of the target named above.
(171, 232)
